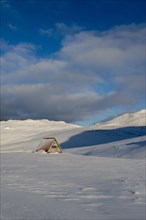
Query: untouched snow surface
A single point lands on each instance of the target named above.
(125, 120)
(99, 175)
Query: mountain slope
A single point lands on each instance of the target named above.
(125, 120)
(107, 139)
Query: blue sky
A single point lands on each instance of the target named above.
(74, 60)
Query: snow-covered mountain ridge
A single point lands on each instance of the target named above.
(36, 124)
(125, 120)
(104, 139)
(22, 130)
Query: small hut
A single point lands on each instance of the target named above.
(49, 145)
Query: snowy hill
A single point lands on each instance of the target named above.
(125, 120)
(120, 137)
(20, 133)
(99, 175)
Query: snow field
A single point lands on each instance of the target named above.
(94, 187)
(99, 175)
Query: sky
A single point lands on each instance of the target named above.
(78, 61)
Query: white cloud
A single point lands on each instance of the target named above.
(110, 50)
(93, 71)
(68, 29)
(14, 61)
(61, 29)
(47, 32)
(12, 27)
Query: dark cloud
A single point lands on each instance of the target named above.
(92, 72)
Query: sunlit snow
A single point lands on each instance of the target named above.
(99, 175)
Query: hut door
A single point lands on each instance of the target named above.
(54, 149)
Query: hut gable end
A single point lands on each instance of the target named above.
(50, 145)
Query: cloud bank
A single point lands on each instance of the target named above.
(92, 72)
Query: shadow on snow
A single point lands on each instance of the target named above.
(97, 137)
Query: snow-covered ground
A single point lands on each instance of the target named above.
(99, 175)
